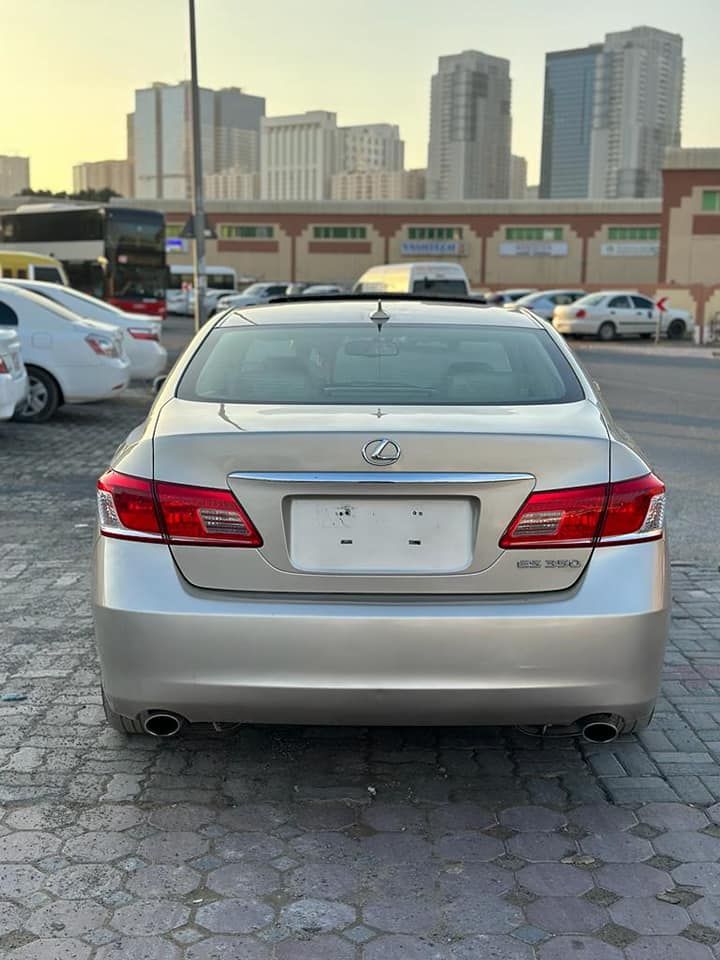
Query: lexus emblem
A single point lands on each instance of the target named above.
(381, 453)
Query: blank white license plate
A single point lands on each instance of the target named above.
(388, 535)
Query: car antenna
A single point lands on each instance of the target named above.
(379, 316)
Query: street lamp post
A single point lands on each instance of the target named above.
(198, 200)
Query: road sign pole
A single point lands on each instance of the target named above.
(660, 306)
(198, 200)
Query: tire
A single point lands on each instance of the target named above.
(118, 722)
(43, 398)
(607, 331)
(676, 330)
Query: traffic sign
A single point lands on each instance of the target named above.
(188, 231)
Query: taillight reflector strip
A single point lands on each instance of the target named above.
(599, 515)
(133, 508)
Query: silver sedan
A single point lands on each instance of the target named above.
(400, 513)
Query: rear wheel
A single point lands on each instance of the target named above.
(43, 397)
(676, 330)
(118, 722)
(607, 331)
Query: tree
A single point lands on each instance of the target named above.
(102, 196)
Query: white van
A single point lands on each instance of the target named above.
(431, 279)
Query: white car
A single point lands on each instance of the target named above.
(501, 297)
(323, 290)
(254, 294)
(543, 302)
(13, 376)
(621, 313)
(141, 334)
(68, 359)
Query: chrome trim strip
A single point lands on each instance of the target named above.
(368, 477)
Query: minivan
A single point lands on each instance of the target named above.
(432, 279)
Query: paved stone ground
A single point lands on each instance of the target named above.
(325, 844)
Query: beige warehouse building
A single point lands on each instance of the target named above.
(665, 247)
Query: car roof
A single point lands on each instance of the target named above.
(359, 310)
(36, 299)
(617, 293)
(547, 293)
(412, 265)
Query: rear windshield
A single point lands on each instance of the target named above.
(407, 365)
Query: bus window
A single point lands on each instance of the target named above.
(87, 276)
(49, 274)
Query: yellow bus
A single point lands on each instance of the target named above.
(23, 265)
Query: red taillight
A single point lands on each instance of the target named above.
(601, 515)
(126, 507)
(132, 508)
(196, 515)
(635, 511)
(580, 314)
(102, 345)
(4, 368)
(137, 333)
(567, 518)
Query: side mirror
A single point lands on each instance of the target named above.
(158, 384)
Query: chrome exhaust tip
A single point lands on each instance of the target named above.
(603, 728)
(162, 724)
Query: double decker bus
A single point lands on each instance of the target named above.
(114, 253)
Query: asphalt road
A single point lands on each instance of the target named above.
(669, 403)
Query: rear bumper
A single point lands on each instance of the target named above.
(147, 358)
(214, 656)
(13, 391)
(94, 381)
(587, 327)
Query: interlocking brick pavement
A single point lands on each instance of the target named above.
(323, 843)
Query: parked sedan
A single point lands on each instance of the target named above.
(501, 297)
(323, 290)
(13, 376)
(620, 313)
(254, 294)
(422, 513)
(141, 334)
(543, 302)
(68, 360)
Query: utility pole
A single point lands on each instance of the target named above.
(198, 200)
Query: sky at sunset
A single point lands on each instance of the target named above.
(71, 66)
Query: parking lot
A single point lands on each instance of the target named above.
(349, 844)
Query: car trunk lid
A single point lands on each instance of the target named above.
(331, 522)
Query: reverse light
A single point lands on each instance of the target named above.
(132, 508)
(599, 515)
(103, 346)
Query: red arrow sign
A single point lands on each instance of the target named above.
(661, 304)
